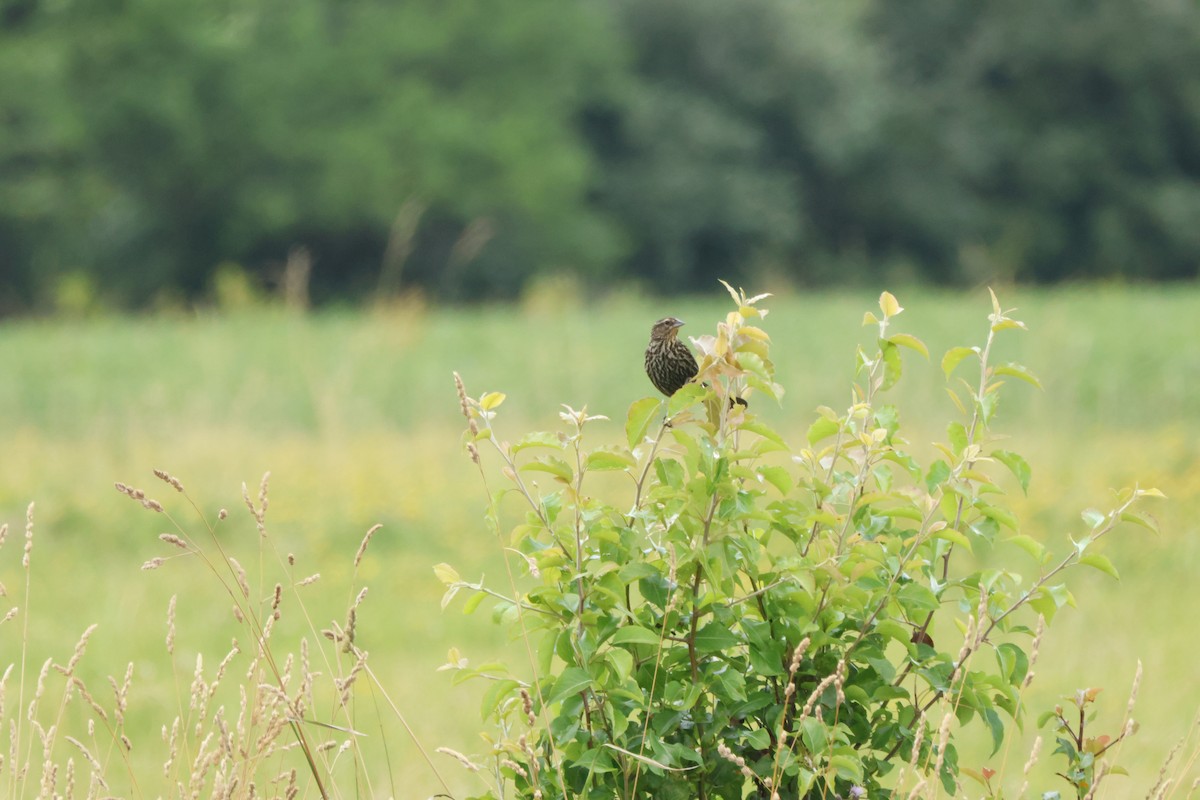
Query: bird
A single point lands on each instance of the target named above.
(669, 362)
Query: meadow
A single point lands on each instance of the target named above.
(354, 414)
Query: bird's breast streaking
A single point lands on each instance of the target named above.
(669, 362)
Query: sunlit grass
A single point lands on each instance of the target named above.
(355, 416)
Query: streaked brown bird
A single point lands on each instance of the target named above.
(669, 362)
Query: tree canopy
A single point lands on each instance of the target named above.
(465, 148)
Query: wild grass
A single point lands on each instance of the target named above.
(356, 417)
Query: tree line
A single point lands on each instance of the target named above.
(463, 148)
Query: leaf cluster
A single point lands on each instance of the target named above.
(753, 617)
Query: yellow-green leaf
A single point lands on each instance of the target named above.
(889, 305)
(1141, 518)
(953, 536)
(1101, 563)
(638, 421)
(1008, 324)
(1018, 371)
(492, 400)
(686, 397)
(1017, 465)
(555, 466)
(891, 364)
(954, 356)
(821, 429)
(911, 342)
(1030, 545)
(609, 459)
(446, 573)
(777, 477)
(473, 603)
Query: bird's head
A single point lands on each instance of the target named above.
(666, 328)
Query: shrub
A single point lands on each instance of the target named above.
(750, 617)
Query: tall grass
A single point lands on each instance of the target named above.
(355, 415)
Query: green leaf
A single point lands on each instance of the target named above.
(893, 630)
(555, 466)
(638, 421)
(1014, 663)
(609, 459)
(621, 662)
(848, 768)
(813, 734)
(539, 439)
(1016, 465)
(1018, 371)
(916, 598)
(1030, 545)
(596, 761)
(634, 634)
(958, 437)
(669, 472)
(891, 364)
(688, 396)
(764, 431)
(1093, 518)
(951, 535)
(777, 477)
(715, 637)
(822, 429)
(473, 603)
(1001, 515)
(996, 726)
(1140, 518)
(573, 680)
(495, 693)
(1101, 563)
(752, 362)
(911, 342)
(954, 356)
(939, 471)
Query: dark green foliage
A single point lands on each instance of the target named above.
(144, 144)
(745, 616)
(171, 137)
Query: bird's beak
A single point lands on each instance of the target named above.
(678, 324)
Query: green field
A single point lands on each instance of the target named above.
(355, 416)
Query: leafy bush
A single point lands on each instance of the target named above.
(750, 617)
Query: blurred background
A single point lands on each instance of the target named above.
(516, 190)
(152, 148)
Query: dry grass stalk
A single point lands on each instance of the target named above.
(239, 573)
(1033, 650)
(171, 625)
(97, 770)
(87, 697)
(171, 538)
(80, 648)
(362, 548)
(162, 475)
(1033, 757)
(28, 537)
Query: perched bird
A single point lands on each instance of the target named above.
(669, 362)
